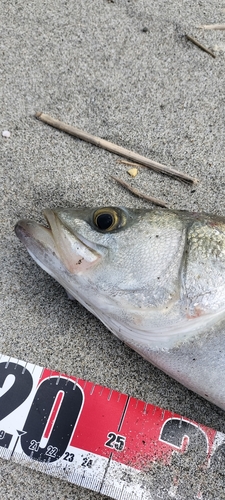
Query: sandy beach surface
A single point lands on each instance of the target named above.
(122, 70)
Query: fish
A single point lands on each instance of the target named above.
(154, 277)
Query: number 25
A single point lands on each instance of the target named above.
(115, 441)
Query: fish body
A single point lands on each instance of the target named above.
(155, 278)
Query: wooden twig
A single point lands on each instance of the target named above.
(114, 148)
(139, 194)
(196, 42)
(130, 163)
(212, 26)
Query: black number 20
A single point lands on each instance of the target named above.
(64, 423)
(40, 410)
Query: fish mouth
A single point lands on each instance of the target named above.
(54, 241)
(27, 230)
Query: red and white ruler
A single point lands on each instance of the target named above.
(103, 440)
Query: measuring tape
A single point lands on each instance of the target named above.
(104, 440)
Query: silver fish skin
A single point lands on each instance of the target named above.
(155, 278)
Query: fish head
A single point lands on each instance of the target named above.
(120, 263)
(142, 272)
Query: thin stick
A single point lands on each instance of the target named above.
(130, 163)
(212, 26)
(193, 40)
(139, 194)
(114, 148)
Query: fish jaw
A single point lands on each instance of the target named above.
(55, 249)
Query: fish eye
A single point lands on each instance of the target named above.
(106, 219)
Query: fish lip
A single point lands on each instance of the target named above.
(35, 236)
(20, 230)
(23, 228)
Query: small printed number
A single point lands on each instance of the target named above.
(115, 441)
(68, 456)
(34, 445)
(2, 434)
(87, 462)
(51, 451)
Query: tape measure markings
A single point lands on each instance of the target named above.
(93, 436)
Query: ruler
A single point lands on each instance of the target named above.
(104, 440)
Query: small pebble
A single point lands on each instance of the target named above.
(133, 172)
(6, 134)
